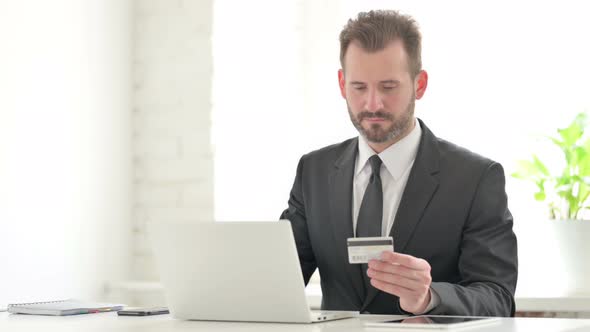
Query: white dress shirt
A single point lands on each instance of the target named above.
(395, 170)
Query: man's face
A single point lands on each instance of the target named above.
(380, 92)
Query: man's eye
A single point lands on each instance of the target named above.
(359, 87)
(388, 87)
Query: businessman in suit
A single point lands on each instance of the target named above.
(444, 206)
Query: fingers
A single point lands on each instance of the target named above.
(422, 276)
(396, 290)
(408, 261)
(405, 276)
(396, 279)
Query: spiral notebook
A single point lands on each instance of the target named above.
(62, 308)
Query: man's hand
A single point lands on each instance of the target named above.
(404, 276)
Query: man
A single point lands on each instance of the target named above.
(444, 206)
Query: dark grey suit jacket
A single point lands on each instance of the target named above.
(453, 213)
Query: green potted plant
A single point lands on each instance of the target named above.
(566, 193)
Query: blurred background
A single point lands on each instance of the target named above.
(116, 113)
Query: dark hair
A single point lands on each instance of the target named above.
(375, 29)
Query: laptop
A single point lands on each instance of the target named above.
(233, 271)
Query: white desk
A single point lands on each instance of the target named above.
(112, 322)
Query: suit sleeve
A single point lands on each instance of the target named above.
(488, 265)
(295, 213)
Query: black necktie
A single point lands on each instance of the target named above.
(371, 211)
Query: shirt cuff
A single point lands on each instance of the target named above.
(434, 301)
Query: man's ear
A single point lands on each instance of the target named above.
(342, 83)
(420, 84)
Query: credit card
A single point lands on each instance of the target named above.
(363, 249)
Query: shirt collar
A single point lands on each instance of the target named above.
(396, 158)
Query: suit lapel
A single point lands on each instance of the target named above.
(421, 186)
(341, 212)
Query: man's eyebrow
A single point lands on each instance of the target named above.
(382, 82)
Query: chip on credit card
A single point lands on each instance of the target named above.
(363, 249)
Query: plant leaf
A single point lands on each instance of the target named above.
(540, 196)
(540, 166)
(574, 131)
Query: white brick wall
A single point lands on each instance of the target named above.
(173, 160)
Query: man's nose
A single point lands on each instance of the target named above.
(374, 102)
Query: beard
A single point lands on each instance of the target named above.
(377, 132)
